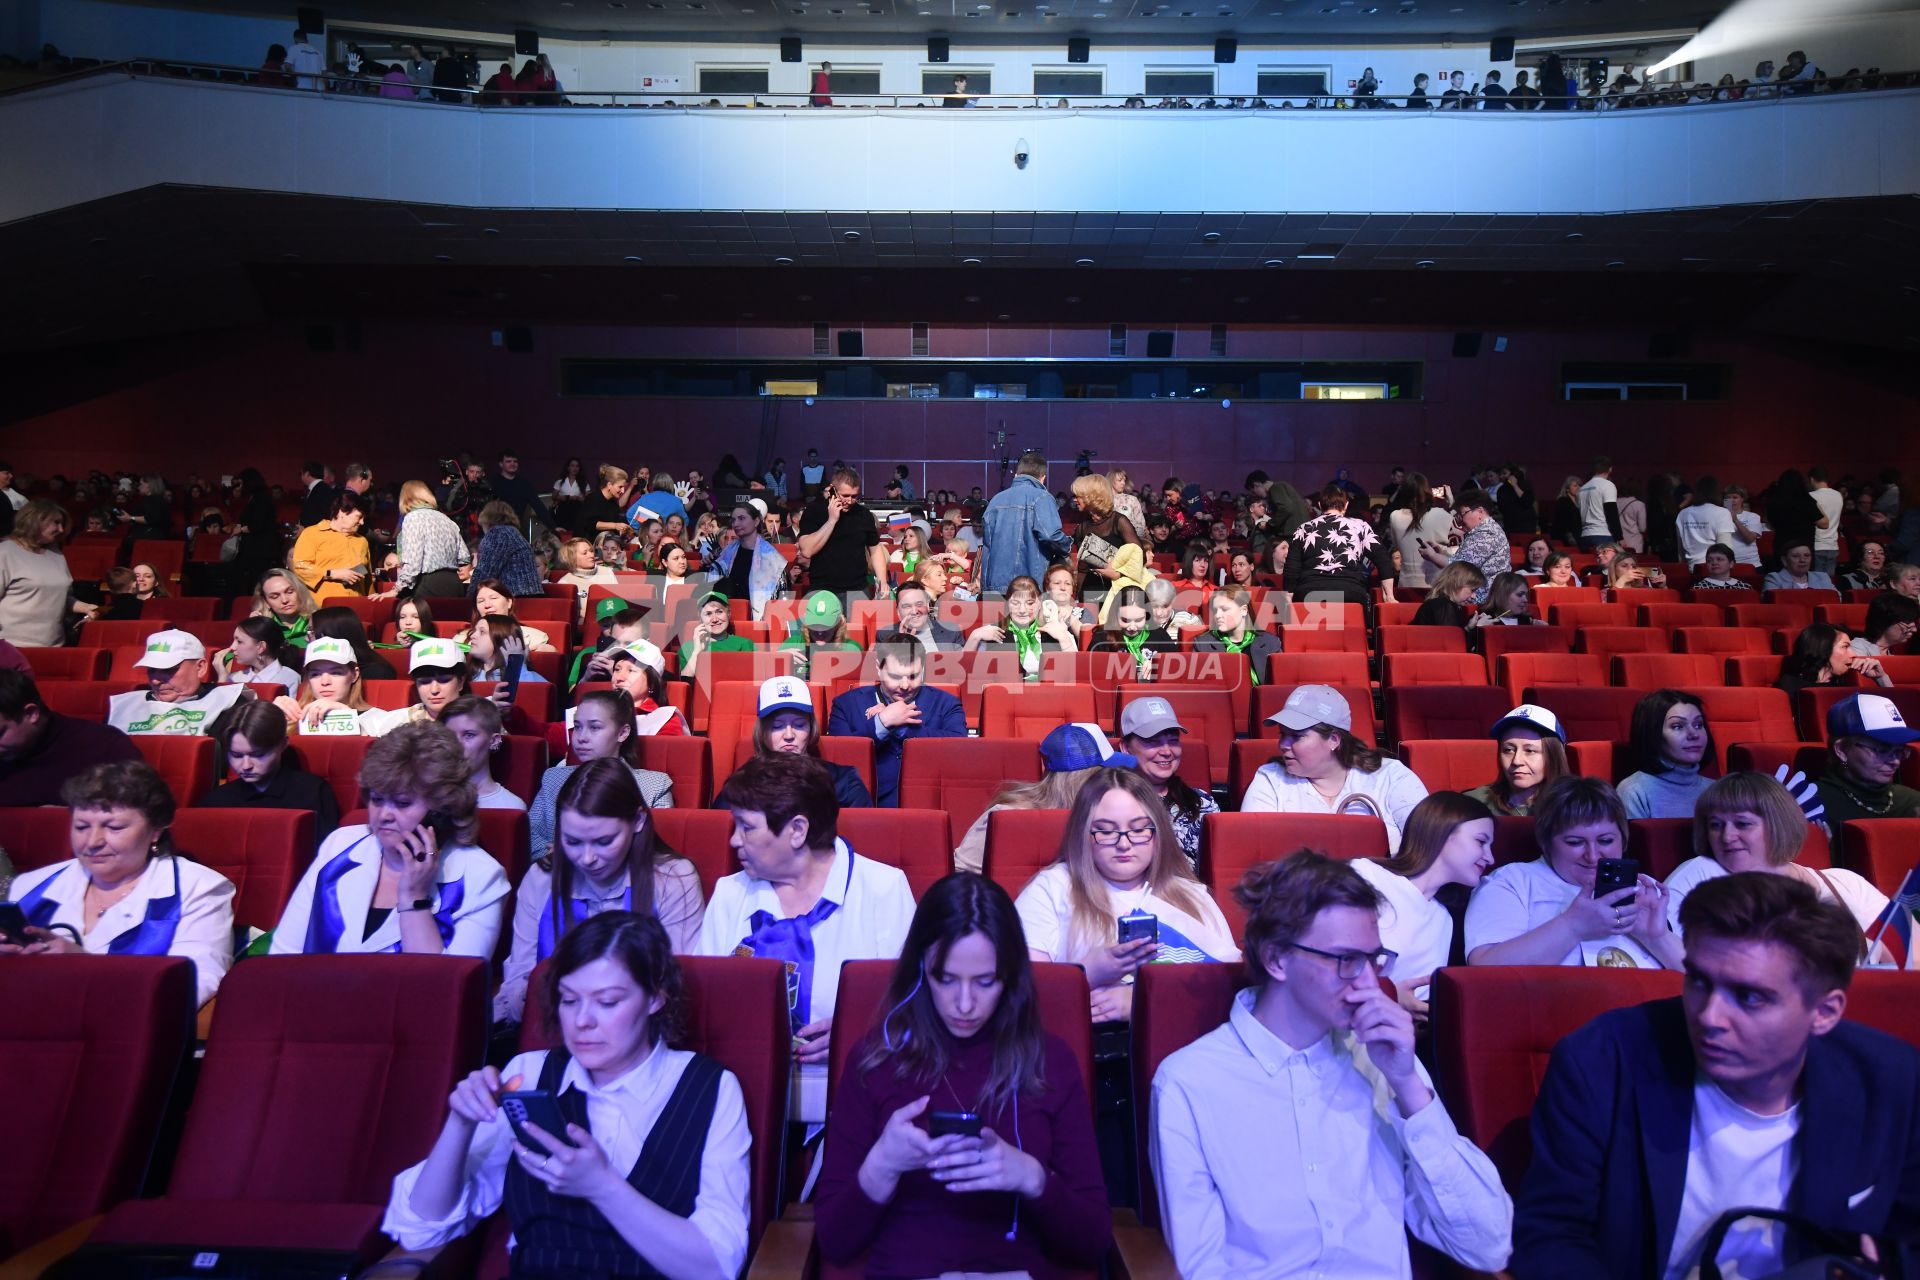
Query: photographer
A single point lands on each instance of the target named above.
(463, 489)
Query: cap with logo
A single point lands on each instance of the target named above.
(1313, 704)
(170, 648)
(438, 652)
(714, 597)
(1148, 718)
(644, 652)
(1529, 716)
(1868, 715)
(1081, 746)
(784, 693)
(329, 649)
(611, 607)
(822, 610)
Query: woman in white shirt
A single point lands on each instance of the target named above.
(1747, 527)
(601, 1198)
(1119, 863)
(410, 878)
(1545, 911)
(1449, 841)
(602, 729)
(1424, 523)
(607, 858)
(476, 725)
(126, 890)
(1323, 768)
(330, 700)
(1749, 822)
(255, 655)
(802, 897)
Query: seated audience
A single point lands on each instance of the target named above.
(1626, 573)
(40, 750)
(1719, 562)
(962, 1031)
(282, 597)
(178, 699)
(127, 891)
(1068, 756)
(1130, 631)
(1321, 767)
(602, 730)
(337, 622)
(250, 740)
(1509, 602)
(1233, 631)
(820, 628)
(803, 897)
(621, 623)
(1303, 1136)
(652, 1175)
(1448, 842)
(476, 725)
(1557, 571)
(410, 878)
(786, 725)
(331, 699)
(147, 585)
(714, 632)
(1539, 551)
(1454, 588)
(440, 674)
(1118, 860)
(1154, 736)
(1532, 753)
(1823, 654)
(1868, 572)
(1796, 571)
(1671, 743)
(1028, 626)
(1746, 1091)
(1545, 911)
(583, 573)
(255, 656)
(914, 609)
(492, 642)
(640, 670)
(491, 599)
(607, 857)
(1061, 605)
(898, 706)
(1891, 622)
(1867, 742)
(1165, 613)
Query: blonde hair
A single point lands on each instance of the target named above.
(31, 522)
(610, 474)
(1170, 875)
(1095, 494)
(415, 494)
(1458, 574)
(307, 604)
(1758, 794)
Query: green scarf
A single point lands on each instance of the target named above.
(295, 632)
(908, 563)
(1241, 645)
(1134, 643)
(1026, 641)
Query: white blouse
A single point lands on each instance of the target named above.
(620, 1115)
(483, 887)
(1046, 915)
(1862, 899)
(1393, 788)
(1417, 928)
(1521, 896)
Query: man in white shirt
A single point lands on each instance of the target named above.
(1747, 1090)
(14, 498)
(307, 60)
(1599, 504)
(1302, 1137)
(178, 698)
(1703, 522)
(1826, 530)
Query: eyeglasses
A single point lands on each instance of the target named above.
(1110, 837)
(1347, 964)
(1883, 750)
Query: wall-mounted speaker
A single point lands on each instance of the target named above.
(790, 49)
(1466, 345)
(852, 342)
(1500, 49)
(1159, 344)
(526, 42)
(1078, 49)
(518, 339)
(311, 21)
(936, 48)
(1677, 345)
(1226, 49)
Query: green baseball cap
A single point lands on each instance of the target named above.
(822, 610)
(713, 596)
(611, 605)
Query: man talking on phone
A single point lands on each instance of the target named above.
(1302, 1137)
(841, 540)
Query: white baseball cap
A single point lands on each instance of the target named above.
(437, 652)
(168, 649)
(1527, 715)
(328, 649)
(1313, 704)
(644, 652)
(784, 693)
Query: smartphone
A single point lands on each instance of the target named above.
(443, 833)
(516, 665)
(942, 1123)
(13, 925)
(1614, 874)
(539, 1106)
(1137, 924)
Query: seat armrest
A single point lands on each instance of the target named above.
(29, 1263)
(455, 1260)
(1141, 1252)
(786, 1251)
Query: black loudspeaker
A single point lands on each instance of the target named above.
(1078, 48)
(1466, 345)
(1501, 49)
(518, 339)
(852, 342)
(311, 21)
(790, 49)
(936, 48)
(1669, 346)
(526, 42)
(1226, 49)
(1159, 343)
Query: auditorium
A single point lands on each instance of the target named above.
(1070, 639)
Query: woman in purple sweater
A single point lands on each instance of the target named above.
(961, 1051)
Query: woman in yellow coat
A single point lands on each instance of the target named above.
(332, 557)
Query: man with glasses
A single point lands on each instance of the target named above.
(1303, 1137)
(1485, 543)
(841, 541)
(1867, 742)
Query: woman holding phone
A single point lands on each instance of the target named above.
(601, 1198)
(961, 1138)
(410, 878)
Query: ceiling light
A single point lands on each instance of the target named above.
(1274, 262)
(783, 262)
(1424, 262)
(851, 237)
(1319, 252)
(1617, 263)
(633, 257)
(1576, 235)
(969, 262)
(1212, 237)
(1083, 262)
(1003, 316)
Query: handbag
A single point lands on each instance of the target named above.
(1832, 1255)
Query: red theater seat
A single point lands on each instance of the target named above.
(1443, 711)
(1497, 642)
(1603, 713)
(1233, 842)
(1815, 702)
(1513, 840)
(336, 759)
(1289, 669)
(1851, 617)
(1210, 721)
(1604, 642)
(1650, 671)
(918, 841)
(962, 775)
(518, 764)
(855, 753)
(184, 763)
(1587, 613)
(1269, 698)
(84, 699)
(1410, 670)
(1804, 601)
(1324, 639)
(1518, 672)
(1753, 670)
(1033, 710)
(701, 836)
(1643, 597)
(1721, 640)
(1768, 615)
(67, 664)
(1883, 850)
(1673, 616)
(1019, 843)
(687, 760)
(1452, 764)
(1411, 639)
(263, 851)
(1745, 715)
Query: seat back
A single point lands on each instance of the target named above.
(1443, 711)
(1851, 617)
(326, 1075)
(1289, 669)
(1885, 1000)
(1452, 764)
(1674, 617)
(1586, 613)
(35, 836)
(685, 759)
(855, 753)
(701, 836)
(335, 759)
(1591, 713)
(1324, 639)
(1883, 850)
(1650, 671)
(1033, 710)
(962, 775)
(1548, 598)
(97, 1047)
(1816, 700)
(732, 708)
(67, 664)
(519, 762)
(1513, 840)
(1495, 1027)
(918, 841)
(263, 851)
(1604, 642)
(1496, 642)
(1407, 670)
(166, 609)
(1721, 640)
(184, 763)
(1745, 715)
(1173, 1005)
(1233, 842)
(1753, 670)
(1804, 600)
(1517, 672)
(1768, 615)
(1020, 842)
(1412, 639)
(84, 699)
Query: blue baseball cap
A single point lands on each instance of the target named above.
(1868, 715)
(1081, 746)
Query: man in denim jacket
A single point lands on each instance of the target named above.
(1022, 527)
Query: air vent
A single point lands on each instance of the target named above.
(1117, 340)
(1217, 344)
(920, 338)
(822, 341)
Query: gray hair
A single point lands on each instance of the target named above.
(1161, 591)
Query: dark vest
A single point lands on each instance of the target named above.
(563, 1236)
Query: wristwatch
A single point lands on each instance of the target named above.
(418, 904)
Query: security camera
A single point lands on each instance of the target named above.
(1020, 154)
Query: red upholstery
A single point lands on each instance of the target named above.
(962, 775)
(1323, 639)
(1209, 717)
(1809, 758)
(1593, 758)
(518, 764)
(1317, 615)
(1289, 669)
(1745, 715)
(535, 702)
(918, 841)
(687, 760)
(700, 835)
(1033, 710)
(1883, 850)
(1518, 672)
(1444, 711)
(168, 558)
(1660, 844)
(1601, 712)
(1513, 840)
(1901, 668)
(1495, 642)
(1452, 764)
(67, 664)
(1721, 640)
(1411, 639)
(1675, 617)
(1649, 671)
(175, 609)
(324, 1076)
(97, 1046)
(89, 561)
(1768, 615)
(1173, 1005)
(1233, 842)
(184, 763)
(1019, 843)
(35, 837)
(1494, 1029)
(1753, 670)
(84, 699)
(1815, 702)
(337, 759)
(1851, 617)
(114, 633)
(1609, 640)
(1642, 597)
(855, 753)
(1269, 698)
(1805, 601)
(1588, 613)
(1548, 597)
(1408, 670)
(1226, 673)
(1396, 614)
(263, 851)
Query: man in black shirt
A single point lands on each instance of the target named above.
(841, 540)
(518, 492)
(40, 750)
(317, 505)
(1523, 96)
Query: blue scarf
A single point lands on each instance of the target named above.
(791, 941)
(153, 936)
(325, 924)
(576, 912)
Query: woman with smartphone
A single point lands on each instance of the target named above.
(410, 878)
(961, 1138)
(1120, 894)
(1581, 902)
(589, 1191)
(1453, 589)
(640, 671)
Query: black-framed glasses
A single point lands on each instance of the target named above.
(1142, 834)
(1884, 750)
(1347, 964)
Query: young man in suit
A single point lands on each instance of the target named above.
(897, 707)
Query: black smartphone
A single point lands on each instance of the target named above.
(444, 837)
(1137, 924)
(13, 925)
(516, 665)
(538, 1106)
(1615, 874)
(942, 1123)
